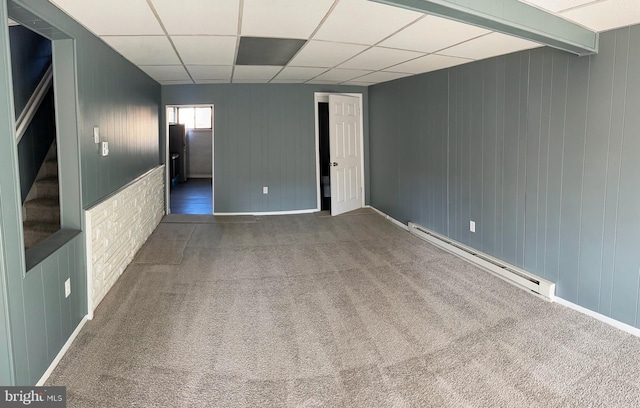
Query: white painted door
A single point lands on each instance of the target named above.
(345, 152)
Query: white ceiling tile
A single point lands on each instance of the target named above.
(176, 82)
(557, 5)
(341, 75)
(356, 83)
(364, 22)
(322, 82)
(432, 62)
(215, 72)
(283, 18)
(606, 15)
(166, 72)
(287, 81)
(204, 50)
(325, 54)
(145, 50)
(255, 72)
(218, 17)
(378, 58)
(377, 77)
(250, 81)
(113, 17)
(432, 34)
(213, 81)
(489, 45)
(300, 73)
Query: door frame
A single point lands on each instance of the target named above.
(167, 167)
(324, 97)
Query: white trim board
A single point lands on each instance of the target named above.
(598, 316)
(393, 220)
(61, 353)
(257, 214)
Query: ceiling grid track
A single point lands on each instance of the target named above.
(340, 42)
(155, 13)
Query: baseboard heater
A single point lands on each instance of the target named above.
(503, 270)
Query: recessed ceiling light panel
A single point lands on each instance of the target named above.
(267, 51)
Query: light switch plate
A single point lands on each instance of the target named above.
(67, 288)
(96, 134)
(265, 190)
(472, 226)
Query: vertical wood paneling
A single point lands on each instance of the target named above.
(613, 169)
(488, 221)
(534, 117)
(36, 328)
(542, 154)
(53, 293)
(500, 157)
(556, 155)
(572, 177)
(475, 157)
(626, 273)
(522, 159)
(511, 125)
(543, 165)
(595, 172)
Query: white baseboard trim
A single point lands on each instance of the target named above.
(257, 214)
(598, 316)
(62, 352)
(393, 220)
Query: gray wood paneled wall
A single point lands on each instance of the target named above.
(539, 148)
(123, 101)
(264, 135)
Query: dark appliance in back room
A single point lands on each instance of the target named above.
(178, 145)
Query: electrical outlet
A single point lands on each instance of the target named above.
(265, 190)
(96, 134)
(104, 149)
(67, 288)
(472, 226)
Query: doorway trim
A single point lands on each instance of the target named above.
(324, 97)
(167, 190)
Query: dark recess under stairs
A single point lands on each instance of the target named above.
(42, 212)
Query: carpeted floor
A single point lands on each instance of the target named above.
(348, 311)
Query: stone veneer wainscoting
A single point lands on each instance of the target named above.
(118, 227)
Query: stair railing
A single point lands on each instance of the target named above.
(29, 111)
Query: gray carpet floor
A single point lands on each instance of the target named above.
(348, 311)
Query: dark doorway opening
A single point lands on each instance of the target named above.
(325, 179)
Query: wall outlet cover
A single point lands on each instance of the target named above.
(104, 149)
(96, 134)
(265, 190)
(472, 226)
(67, 288)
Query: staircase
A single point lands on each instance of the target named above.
(41, 210)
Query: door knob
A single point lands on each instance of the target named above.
(333, 164)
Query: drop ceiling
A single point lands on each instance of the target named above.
(356, 42)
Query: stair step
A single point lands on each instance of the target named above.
(47, 187)
(51, 167)
(46, 209)
(35, 232)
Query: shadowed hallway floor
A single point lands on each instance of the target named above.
(194, 196)
(348, 311)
